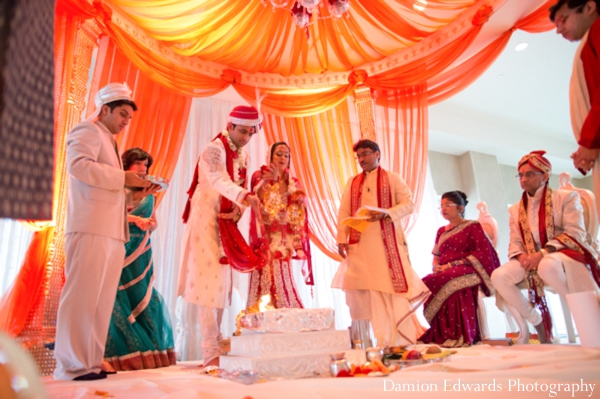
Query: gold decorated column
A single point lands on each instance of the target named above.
(364, 108)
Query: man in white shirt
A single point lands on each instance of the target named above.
(96, 231)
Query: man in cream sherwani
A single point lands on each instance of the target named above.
(219, 179)
(547, 247)
(379, 281)
(96, 230)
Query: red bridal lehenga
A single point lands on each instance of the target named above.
(286, 228)
(451, 310)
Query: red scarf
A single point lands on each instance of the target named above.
(240, 255)
(384, 200)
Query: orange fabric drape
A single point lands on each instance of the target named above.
(422, 70)
(456, 79)
(449, 83)
(294, 103)
(212, 32)
(19, 299)
(538, 21)
(239, 33)
(159, 125)
(167, 73)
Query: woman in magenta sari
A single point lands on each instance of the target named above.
(286, 229)
(464, 259)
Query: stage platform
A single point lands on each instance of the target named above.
(520, 371)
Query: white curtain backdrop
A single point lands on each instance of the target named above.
(14, 241)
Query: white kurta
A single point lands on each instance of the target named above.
(367, 265)
(367, 278)
(202, 279)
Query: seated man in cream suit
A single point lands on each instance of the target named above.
(96, 230)
(547, 247)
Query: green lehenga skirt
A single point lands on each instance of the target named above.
(140, 334)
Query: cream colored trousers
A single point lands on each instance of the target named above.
(93, 268)
(391, 316)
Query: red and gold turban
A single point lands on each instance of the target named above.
(537, 160)
(246, 116)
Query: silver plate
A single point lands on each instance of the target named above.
(163, 183)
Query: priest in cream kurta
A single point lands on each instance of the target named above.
(367, 278)
(205, 278)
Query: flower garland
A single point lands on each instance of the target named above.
(284, 212)
(239, 161)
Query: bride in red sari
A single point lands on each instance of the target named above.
(286, 229)
(464, 259)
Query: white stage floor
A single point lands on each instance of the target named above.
(520, 371)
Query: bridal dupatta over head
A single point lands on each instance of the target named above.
(296, 215)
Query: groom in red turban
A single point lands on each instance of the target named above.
(212, 242)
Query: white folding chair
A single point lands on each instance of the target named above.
(490, 226)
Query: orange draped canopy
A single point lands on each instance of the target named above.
(200, 47)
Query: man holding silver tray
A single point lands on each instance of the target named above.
(96, 230)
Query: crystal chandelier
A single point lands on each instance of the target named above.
(302, 10)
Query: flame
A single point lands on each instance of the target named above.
(264, 303)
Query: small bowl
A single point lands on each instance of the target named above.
(374, 354)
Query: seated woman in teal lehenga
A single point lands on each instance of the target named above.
(140, 334)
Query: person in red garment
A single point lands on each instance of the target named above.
(578, 20)
(212, 243)
(463, 260)
(285, 219)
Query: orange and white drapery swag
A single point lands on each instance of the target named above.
(366, 266)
